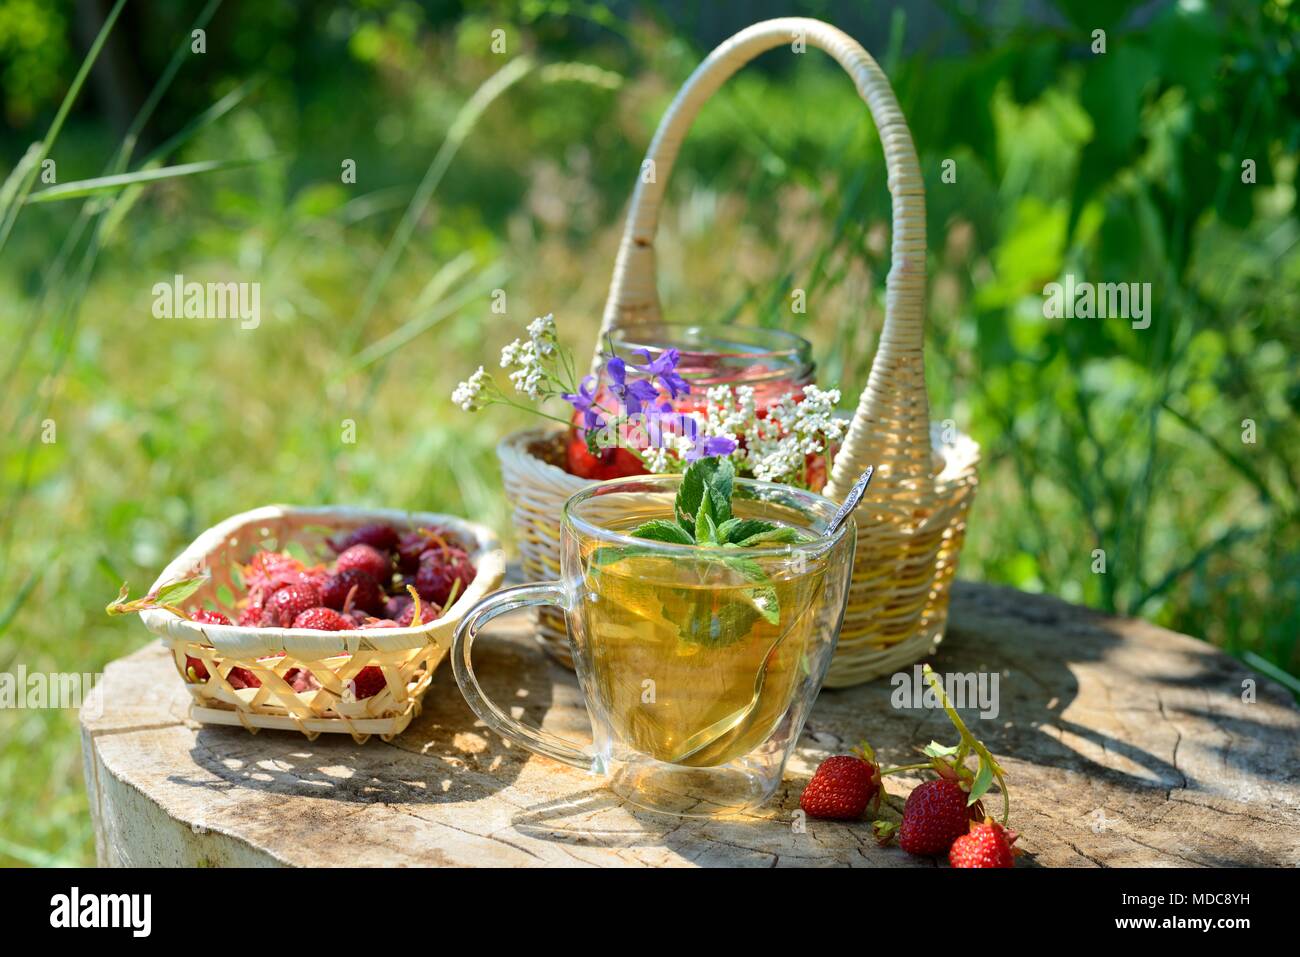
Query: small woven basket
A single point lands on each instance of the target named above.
(913, 519)
(407, 657)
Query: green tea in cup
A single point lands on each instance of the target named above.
(703, 611)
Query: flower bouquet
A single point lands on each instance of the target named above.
(646, 410)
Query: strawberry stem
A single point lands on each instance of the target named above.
(921, 766)
(968, 741)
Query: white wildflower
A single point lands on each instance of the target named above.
(468, 394)
(729, 413)
(511, 353)
(542, 334)
(529, 376)
(656, 459)
(777, 460)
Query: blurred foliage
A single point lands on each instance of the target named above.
(1116, 166)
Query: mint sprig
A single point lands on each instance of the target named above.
(702, 513)
(702, 516)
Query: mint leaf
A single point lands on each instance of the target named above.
(689, 496)
(719, 486)
(609, 554)
(664, 530)
(777, 535)
(711, 478)
(762, 597)
(705, 527)
(735, 529)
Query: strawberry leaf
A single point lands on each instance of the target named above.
(116, 606)
(176, 592)
(983, 781)
(936, 750)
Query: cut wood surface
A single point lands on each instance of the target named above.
(1125, 745)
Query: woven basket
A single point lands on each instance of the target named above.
(406, 656)
(913, 520)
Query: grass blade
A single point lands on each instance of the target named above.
(1260, 663)
(111, 184)
(423, 322)
(461, 127)
(20, 197)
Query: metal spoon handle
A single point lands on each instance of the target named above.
(851, 501)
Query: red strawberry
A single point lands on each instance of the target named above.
(368, 559)
(300, 679)
(379, 623)
(841, 788)
(288, 603)
(984, 845)
(415, 543)
(934, 816)
(368, 595)
(195, 669)
(428, 612)
(396, 606)
(240, 678)
(439, 570)
(205, 617)
(379, 535)
(323, 619)
(251, 616)
(368, 683)
(270, 571)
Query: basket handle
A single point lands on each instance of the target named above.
(891, 427)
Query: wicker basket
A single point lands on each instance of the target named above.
(911, 525)
(406, 656)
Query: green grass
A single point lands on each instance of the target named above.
(376, 300)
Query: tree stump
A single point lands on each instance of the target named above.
(1124, 744)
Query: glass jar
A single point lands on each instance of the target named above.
(773, 362)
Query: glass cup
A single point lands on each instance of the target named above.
(698, 664)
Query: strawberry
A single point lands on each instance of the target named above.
(379, 623)
(268, 572)
(322, 619)
(428, 612)
(841, 788)
(195, 669)
(396, 606)
(440, 569)
(368, 596)
(300, 679)
(205, 617)
(240, 678)
(413, 545)
(934, 816)
(368, 683)
(367, 559)
(984, 845)
(251, 616)
(288, 603)
(379, 535)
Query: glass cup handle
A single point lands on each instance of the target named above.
(534, 739)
